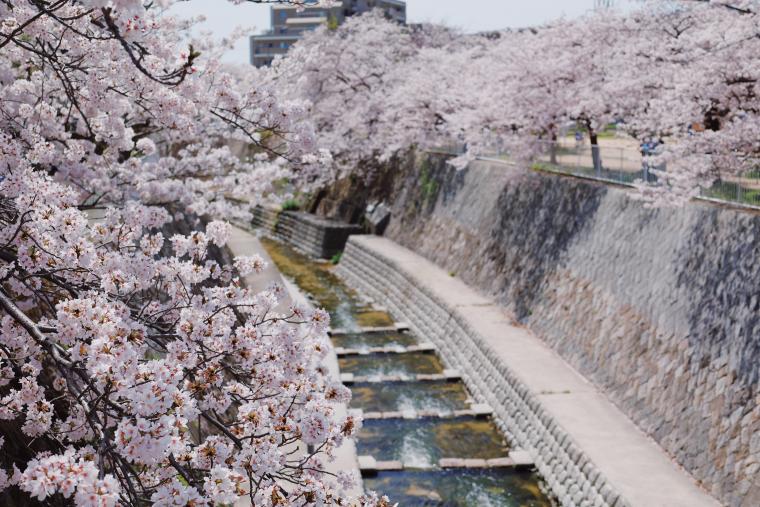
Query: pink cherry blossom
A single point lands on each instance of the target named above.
(133, 355)
(682, 71)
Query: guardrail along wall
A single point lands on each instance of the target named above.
(658, 307)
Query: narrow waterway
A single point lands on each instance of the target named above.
(387, 389)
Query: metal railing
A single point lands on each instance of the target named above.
(615, 164)
(455, 149)
(623, 165)
(740, 190)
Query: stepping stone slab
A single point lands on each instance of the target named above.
(500, 463)
(367, 465)
(521, 458)
(409, 414)
(422, 347)
(481, 410)
(389, 465)
(451, 463)
(475, 463)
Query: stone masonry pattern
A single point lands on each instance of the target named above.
(311, 235)
(570, 475)
(660, 308)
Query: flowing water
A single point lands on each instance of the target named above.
(363, 341)
(476, 488)
(419, 442)
(443, 397)
(404, 365)
(392, 439)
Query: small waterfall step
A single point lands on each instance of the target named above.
(517, 459)
(405, 449)
(422, 347)
(478, 410)
(447, 375)
(397, 327)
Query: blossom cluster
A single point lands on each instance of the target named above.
(682, 72)
(136, 366)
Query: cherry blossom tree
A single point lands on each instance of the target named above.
(345, 76)
(432, 103)
(697, 78)
(681, 71)
(135, 366)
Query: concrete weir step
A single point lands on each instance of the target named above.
(517, 459)
(447, 375)
(422, 347)
(478, 410)
(397, 327)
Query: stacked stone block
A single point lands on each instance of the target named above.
(659, 308)
(312, 235)
(518, 413)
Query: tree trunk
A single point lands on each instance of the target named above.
(596, 155)
(553, 150)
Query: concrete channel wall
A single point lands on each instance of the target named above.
(589, 453)
(517, 412)
(659, 308)
(317, 237)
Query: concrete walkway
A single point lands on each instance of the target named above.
(632, 463)
(245, 243)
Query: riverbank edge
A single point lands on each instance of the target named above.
(244, 242)
(588, 451)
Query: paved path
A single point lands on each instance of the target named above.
(245, 243)
(633, 463)
(242, 243)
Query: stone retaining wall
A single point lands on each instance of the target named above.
(315, 236)
(571, 476)
(659, 308)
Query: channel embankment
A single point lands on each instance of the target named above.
(658, 308)
(586, 449)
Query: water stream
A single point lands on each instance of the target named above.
(466, 437)
(403, 365)
(443, 397)
(417, 442)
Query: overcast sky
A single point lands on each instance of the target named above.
(470, 15)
